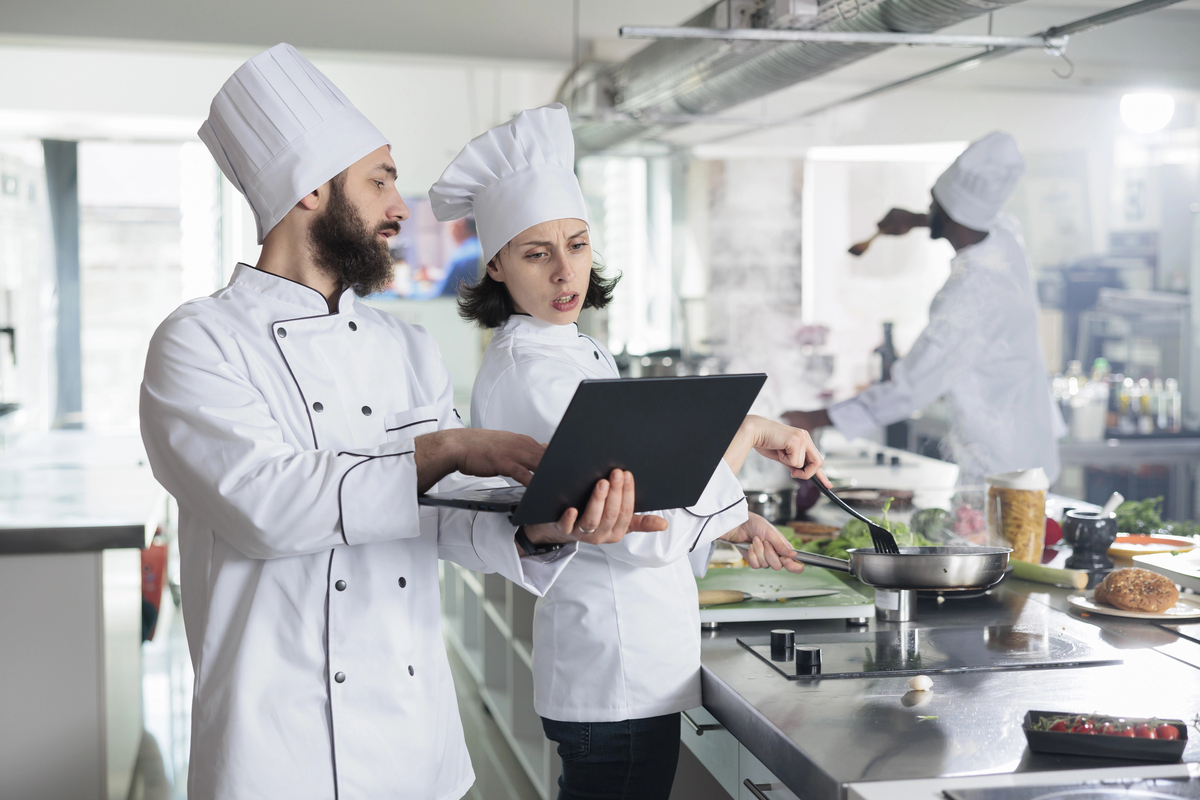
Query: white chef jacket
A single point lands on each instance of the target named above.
(309, 573)
(980, 350)
(618, 635)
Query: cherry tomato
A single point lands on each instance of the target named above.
(1109, 729)
(1084, 729)
(1167, 732)
(1144, 732)
(1059, 727)
(1126, 731)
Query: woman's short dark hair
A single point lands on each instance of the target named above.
(488, 303)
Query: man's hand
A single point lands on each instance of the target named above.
(808, 420)
(790, 446)
(607, 517)
(768, 547)
(475, 451)
(898, 222)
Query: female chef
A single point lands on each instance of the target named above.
(617, 640)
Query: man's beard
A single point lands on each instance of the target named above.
(347, 249)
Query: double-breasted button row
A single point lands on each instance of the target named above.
(319, 406)
(340, 677)
(341, 585)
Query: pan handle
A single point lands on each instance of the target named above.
(818, 560)
(815, 559)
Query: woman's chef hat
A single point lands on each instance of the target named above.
(513, 177)
(279, 129)
(973, 190)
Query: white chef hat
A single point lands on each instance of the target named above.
(513, 177)
(973, 190)
(279, 129)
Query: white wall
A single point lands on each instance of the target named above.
(428, 106)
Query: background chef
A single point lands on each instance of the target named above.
(616, 642)
(296, 427)
(980, 349)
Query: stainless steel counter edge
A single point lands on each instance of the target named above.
(82, 539)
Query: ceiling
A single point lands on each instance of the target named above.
(521, 29)
(1154, 49)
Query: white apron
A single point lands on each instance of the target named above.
(618, 635)
(309, 573)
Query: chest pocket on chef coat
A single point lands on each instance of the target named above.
(409, 424)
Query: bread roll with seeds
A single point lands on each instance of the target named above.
(1136, 589)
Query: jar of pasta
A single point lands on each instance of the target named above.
(1016, 512)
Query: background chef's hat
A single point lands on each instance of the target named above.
(279, 129)
(973, 190)
(513, 177)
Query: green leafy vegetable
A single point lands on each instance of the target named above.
(856, 534)
(1145, 517)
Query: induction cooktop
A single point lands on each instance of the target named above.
(1163, 788)
(927, 651)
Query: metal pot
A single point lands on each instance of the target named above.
(776, 506)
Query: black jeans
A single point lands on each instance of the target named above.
(633, 759)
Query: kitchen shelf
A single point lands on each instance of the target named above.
(489, 623)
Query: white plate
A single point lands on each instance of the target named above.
(1185, 609)
(1184, 568)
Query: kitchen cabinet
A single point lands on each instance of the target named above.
(75, 510)
(758, 782)
(713, 746)
(734, 767)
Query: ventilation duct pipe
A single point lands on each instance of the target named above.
(680, 77)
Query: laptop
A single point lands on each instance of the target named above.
(669, 432)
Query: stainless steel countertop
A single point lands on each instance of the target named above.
(71, 491)
(819, 737)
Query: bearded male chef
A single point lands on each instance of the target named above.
(980, 349)
(296, 428)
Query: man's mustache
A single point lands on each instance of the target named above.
(392, 226)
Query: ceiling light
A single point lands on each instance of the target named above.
(1147, 112)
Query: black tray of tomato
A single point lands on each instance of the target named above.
(1105, 737)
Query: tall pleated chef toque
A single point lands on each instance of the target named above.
(279, 129)
(513, 177)
(975, 187)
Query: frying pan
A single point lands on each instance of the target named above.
(943, 569)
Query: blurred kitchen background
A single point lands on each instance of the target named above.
(726, 180)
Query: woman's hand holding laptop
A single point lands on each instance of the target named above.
(484, 453)
(607, 517)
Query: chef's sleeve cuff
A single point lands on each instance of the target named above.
(377, 494)
(722, 491)
(852, 418)
(492, 536)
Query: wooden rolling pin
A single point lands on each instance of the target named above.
(1069, 578)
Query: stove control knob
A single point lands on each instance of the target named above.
(808, 656)
(783, 641)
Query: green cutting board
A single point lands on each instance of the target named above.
(852, 598)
